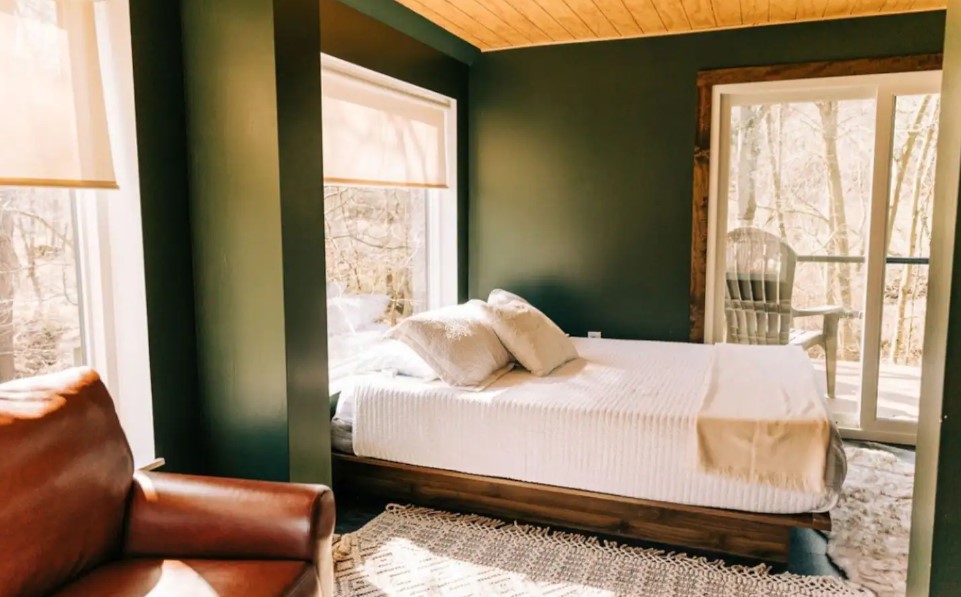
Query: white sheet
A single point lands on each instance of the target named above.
(618, 420)
(343, 351)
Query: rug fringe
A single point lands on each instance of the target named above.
(607, 546)
(573, 538)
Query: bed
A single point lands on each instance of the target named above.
(611, 434)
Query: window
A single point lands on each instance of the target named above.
(840, 171)
(376, 244)
(40, 312)
(72, 286)
(390, 205)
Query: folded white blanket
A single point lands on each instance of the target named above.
(762, 419)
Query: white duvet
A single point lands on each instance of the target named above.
(620, 419)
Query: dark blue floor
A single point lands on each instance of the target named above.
(808, 547)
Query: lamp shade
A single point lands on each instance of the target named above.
(377, 136)
(53, 122)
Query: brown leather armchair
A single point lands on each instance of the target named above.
(76, 520)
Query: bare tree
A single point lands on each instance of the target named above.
(902, 163)
(375, 237)
(748, 152)
(839, 290)
(775, 147)
(9, 266)
(908, 283)
(39, 313)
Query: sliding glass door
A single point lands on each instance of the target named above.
(839, 173)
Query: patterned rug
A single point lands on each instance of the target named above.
(409, 551)
(872, 521)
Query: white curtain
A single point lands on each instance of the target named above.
(53, 123)
(378, 136)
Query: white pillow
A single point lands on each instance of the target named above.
(534, 340)
(505, 297)
(337, 322)
(354, 312)
(334, 289)
(456, 342)
(391, 356)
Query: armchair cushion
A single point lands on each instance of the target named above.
(64, 478)
(184, 516)
(196, 578)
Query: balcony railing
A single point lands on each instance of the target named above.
(854, 313)
(858, 259)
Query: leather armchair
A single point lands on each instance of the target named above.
(78, 521)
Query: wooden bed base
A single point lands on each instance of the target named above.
(764, 537)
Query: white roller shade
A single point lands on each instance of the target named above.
(378, 136)
(53, 123)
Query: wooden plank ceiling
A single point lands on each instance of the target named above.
(502, 24)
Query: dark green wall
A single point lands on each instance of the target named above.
(234, 149)
(254, 147)
(355, 37)
(161, 140)
(300, 123)
(581, 161)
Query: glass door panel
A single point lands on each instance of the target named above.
(907, 253)
(802, 171)
(837, 175)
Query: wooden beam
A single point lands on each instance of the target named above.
(747, 534)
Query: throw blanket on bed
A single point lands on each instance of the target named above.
(758, 422)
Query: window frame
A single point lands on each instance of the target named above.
(883, 89)
(441, 230)
(108, 248)
(707, 131)
(110, 256)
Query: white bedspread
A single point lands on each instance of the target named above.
(618, 420)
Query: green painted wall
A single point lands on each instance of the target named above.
(233, 151)
(161, 140)
(252, 89)
(355, 37)
(581, 160)
(297, 42)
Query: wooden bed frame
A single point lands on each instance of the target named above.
(752, 535)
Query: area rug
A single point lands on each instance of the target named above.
(412, 551)
(871, 525)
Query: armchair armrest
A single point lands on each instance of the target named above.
(820, 310)
(206, 517)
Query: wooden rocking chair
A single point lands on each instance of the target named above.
(757, 303)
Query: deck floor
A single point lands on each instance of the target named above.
(899, 389)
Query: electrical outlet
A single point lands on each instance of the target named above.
(593, 334)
